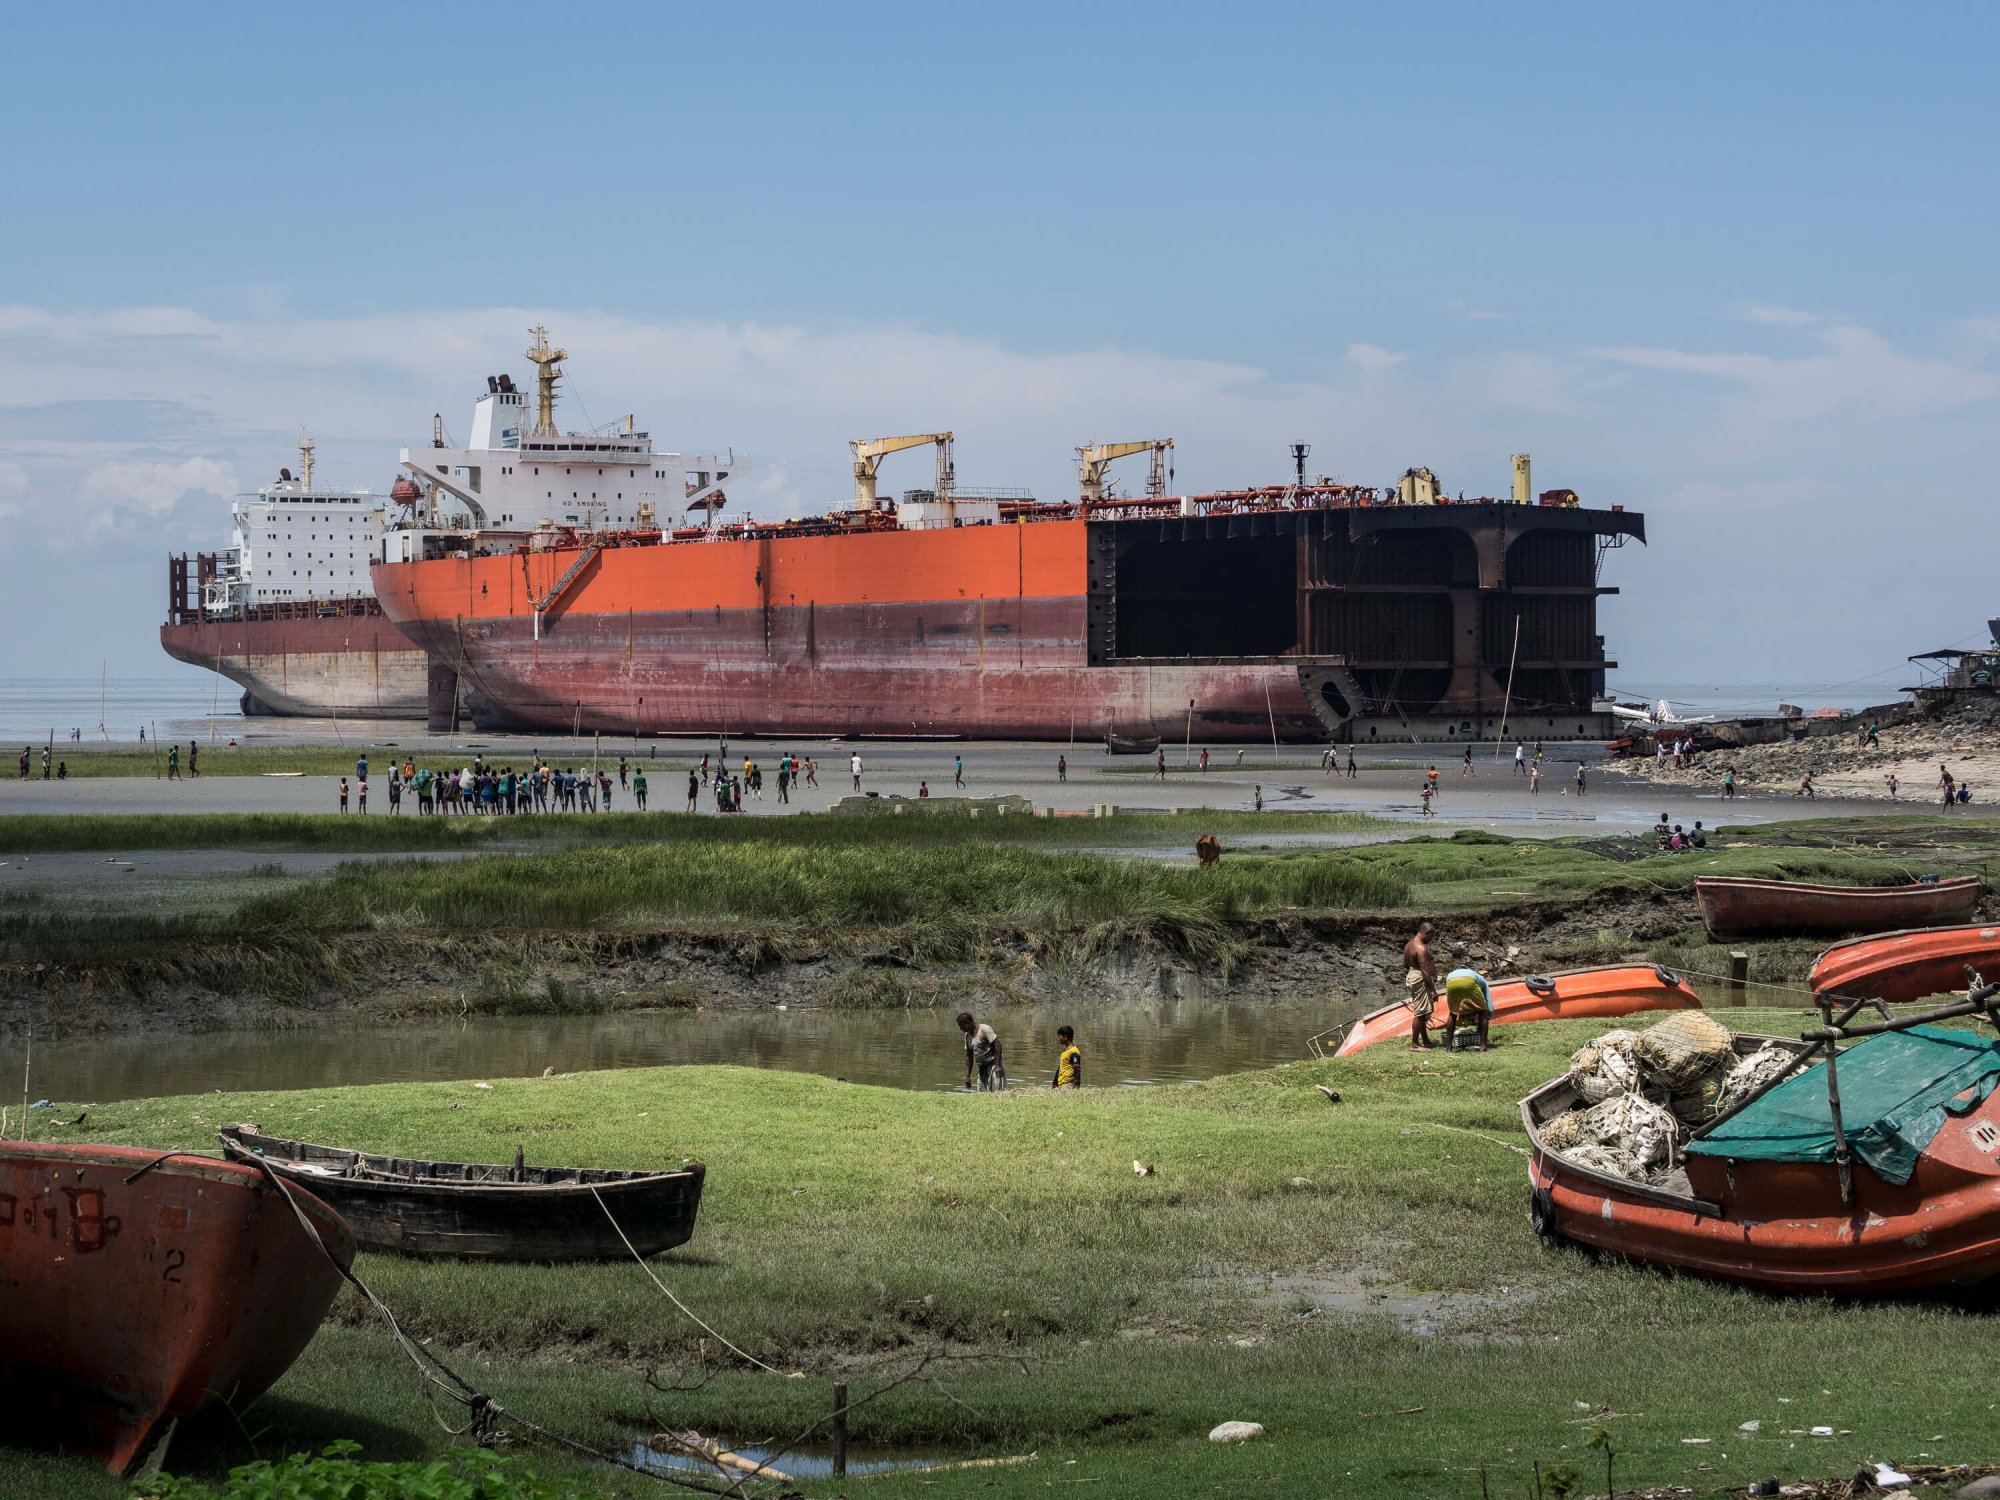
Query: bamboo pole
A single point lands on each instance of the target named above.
(840, 1429)
(1507, 702)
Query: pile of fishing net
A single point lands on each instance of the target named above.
(1684, 1063)
(1643, 1092)
(1626, 1136)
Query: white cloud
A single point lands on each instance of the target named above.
(1780, 317)
(1373, 356)
(1855, 369)
(121, 494)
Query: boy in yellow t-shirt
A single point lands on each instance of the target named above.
(1069, 1065)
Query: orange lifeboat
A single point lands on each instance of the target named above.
(1902, 966)
(1894, 1188)
(137, 1288)
(1581, 994)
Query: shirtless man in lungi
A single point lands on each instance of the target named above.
(1420, 985)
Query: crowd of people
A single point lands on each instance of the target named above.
(544, 787)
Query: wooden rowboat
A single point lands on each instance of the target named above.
(1621, 990)
(415, 1207)
(1736, 907)
(1131, 744)
(1760, 1199)
(1904, 966)
(141, 1288)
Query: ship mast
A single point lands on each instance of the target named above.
(306, 446)
(548, 370)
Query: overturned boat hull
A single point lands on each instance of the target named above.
(1582, 994)
(1902, 966)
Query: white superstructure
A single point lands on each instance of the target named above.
(519, 475)
(296, 544)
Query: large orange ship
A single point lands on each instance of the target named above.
(1302, 611)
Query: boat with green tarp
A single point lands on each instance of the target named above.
(1867, 1168)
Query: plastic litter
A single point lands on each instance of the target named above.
(1889, 1477)
(1750, 1427)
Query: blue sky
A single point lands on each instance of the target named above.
(1729, 265)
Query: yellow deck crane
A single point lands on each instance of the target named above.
(869, 453)
(1094, 458)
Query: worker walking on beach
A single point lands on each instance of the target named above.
(983, 1054)
(1351, 773)
(1580, 784)
(639, 788)
(194, 754)
(1420, 985)
(1468, 1000)
(854, 767)
(1062, 768)
(1069, 1061)
(173, 763)
(1520, 759)
(1204, 758)
(958, 771)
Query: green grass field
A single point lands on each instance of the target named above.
(1360, 1278)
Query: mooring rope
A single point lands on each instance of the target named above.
(486, 1412)
(685, 1310)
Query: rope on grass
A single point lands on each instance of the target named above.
(486, 1413)
(686, 1312)
(1468, 1130)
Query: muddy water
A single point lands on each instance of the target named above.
(1170, 1041)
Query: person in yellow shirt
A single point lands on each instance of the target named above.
(1069, 1065)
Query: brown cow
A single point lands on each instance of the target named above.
(1208, 849)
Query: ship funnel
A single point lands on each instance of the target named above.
(1524, 489)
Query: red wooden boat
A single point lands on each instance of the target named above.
(137, 1288)
(1904, 966)
(1736, 907)
(1760, 1197)
(1620, 990)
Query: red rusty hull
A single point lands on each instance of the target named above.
(981, 669)
(1736, 907)
(345, 666)
(135, 1291)
(1580, 995)
(1904, 966)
